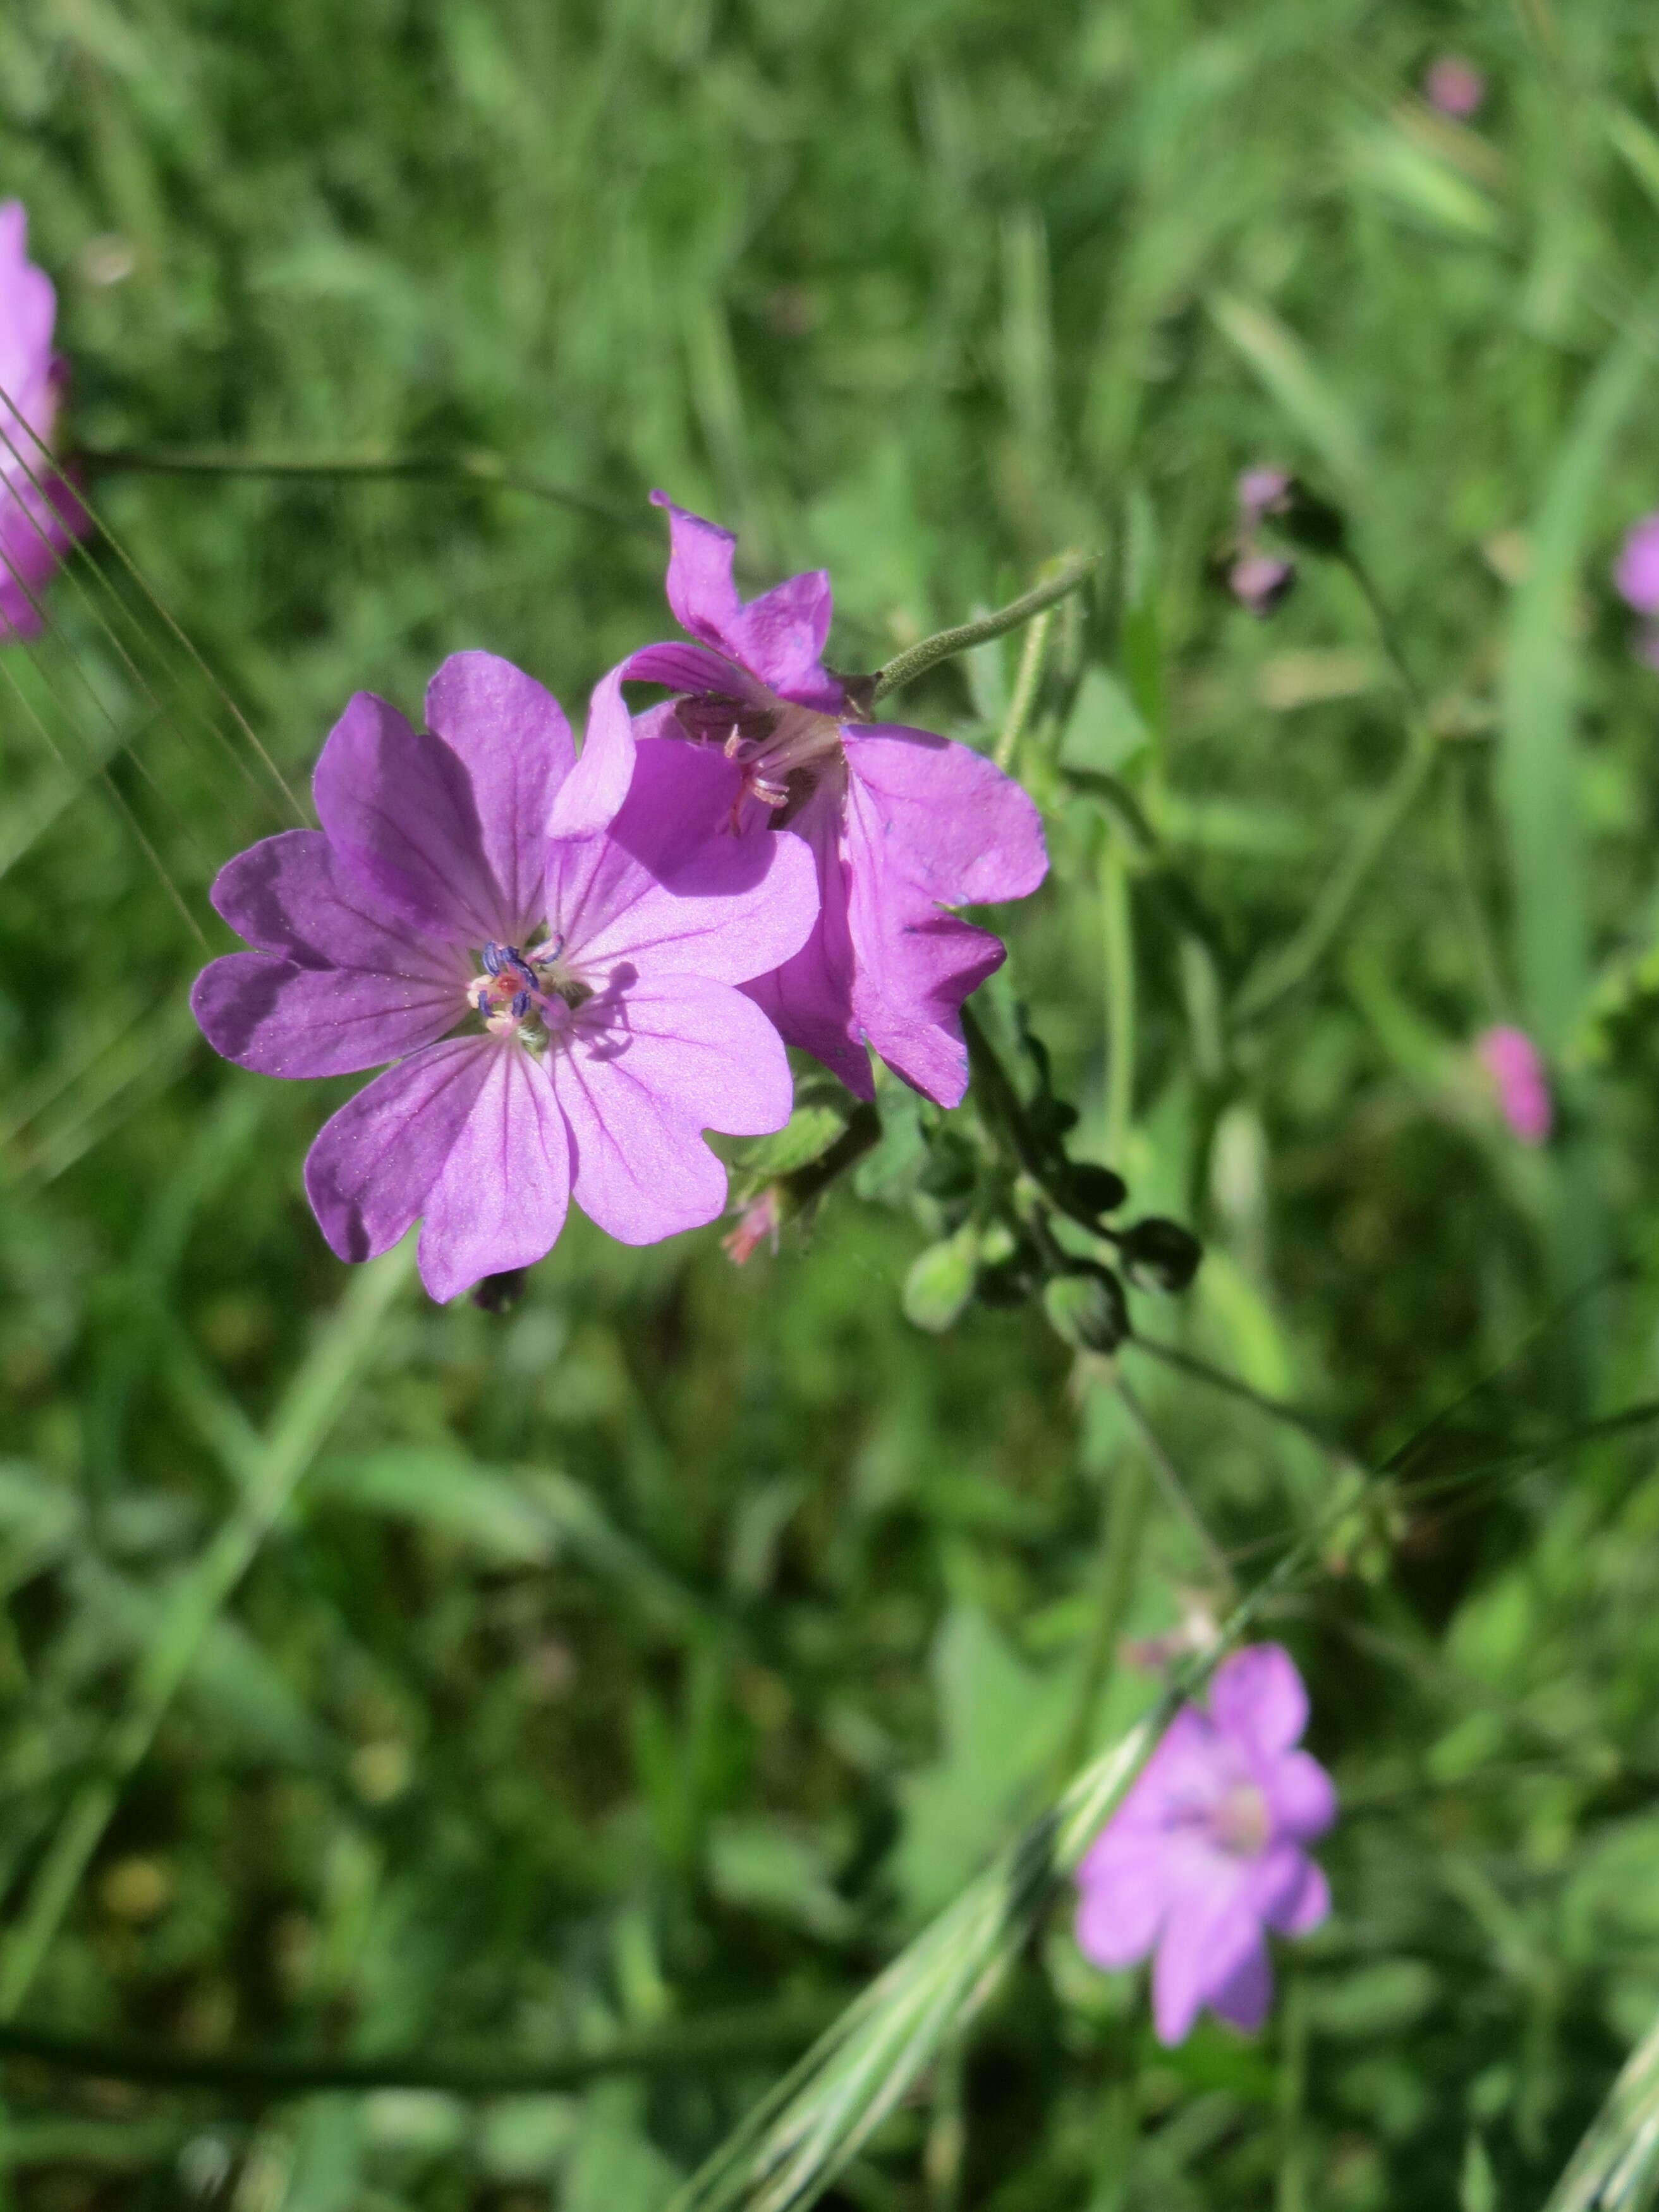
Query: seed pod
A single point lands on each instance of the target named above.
(1086, 1309)
(1160, 1254)
(941, 1281)
(1093, 1188)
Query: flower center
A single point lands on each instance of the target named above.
(529, 995)
(1240, 1821)
(781, 749)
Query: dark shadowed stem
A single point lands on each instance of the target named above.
(1123, 1516)
(1284, 972)
(1276, 1409)
(1177, 1495)
(1071, 572)
(718, 2039)
(465, 467)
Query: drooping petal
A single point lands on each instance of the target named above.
(289, 894)
(1207, 1938)
(1300, 1795)
(700, 588)
(1258, 1696)
(648, 1067)
(1122, 1904)
(673, 887)
(510, 734)
(1244, 1997)
(946, 819)
(1304, 1903)
(587, 800)
(369, 1172)
(501, 1197)
(283, 1019)
(810, 997)
(691, 668)
(915, 966)
(397, 807)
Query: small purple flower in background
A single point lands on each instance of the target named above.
(39, 513)
(903, 825)
(1636, 580)
(1512, 1059)
(1261, 582)
(1207, 1852)
(596, 977)
(1456, 87)
(1262, 491)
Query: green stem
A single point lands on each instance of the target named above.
(304, 1420)
(1027, 683)
(1175, 1493)
(1123, 1517)
(1117, 915)
(1284, 971)
(1072, 572)
(468, 466)
(720, 2039)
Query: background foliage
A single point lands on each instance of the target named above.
(669, 1650)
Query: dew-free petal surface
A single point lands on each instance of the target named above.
(499, 1199)
(1259, 1696)
(283, 1019)
(510, 735)
(368, 1173)
(944, 817)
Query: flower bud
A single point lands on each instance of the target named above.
(1158, 1254)
(941, 1281)
(1086, 1309)
(1092, 1188)
(1259, 582)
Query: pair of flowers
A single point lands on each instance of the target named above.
(578, 964)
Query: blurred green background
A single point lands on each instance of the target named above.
(379, 1679)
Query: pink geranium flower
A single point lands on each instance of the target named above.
(592, 981)
(1512, 1060)
(1208, 1852)
(1456, 87)
(39, 514)
(903, 825)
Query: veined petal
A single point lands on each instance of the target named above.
(639, 1082)
(510, 734)
(810, 997)
(587, 800)
(501, 1197)
(289, 894)
(283, 1019)
(700, 588)
(673, 887)
(691, 668)
(397, 807)
(946, 819)
(368, 1173)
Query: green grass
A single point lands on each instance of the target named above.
(675, 1650)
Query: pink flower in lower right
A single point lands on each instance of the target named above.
(1208, 1849)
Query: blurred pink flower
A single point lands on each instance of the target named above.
(1456, 87)
(757, 1223)
(1260, 582)
(1207, 1851)
(1260, 490)
(39, 513)
(1636, 572)
(1511, 1059)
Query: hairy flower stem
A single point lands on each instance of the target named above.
(1070, 574)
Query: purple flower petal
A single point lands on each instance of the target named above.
(1258, 1695)
(588, 799)
(510, 734)
(398, 808)
(1304, 1903)
(691, 668)
(1244, 1997)
(368, 1173)
(810, 997)
(1636, 572)
(640, 1083)
(1301, 1794)
(288, 895)
(499, 1199)
(1205, 1939)
(916, 964)
(283, 1019)
(947, 819)
(778, 638)
(672, 886)
(1120, 1915)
